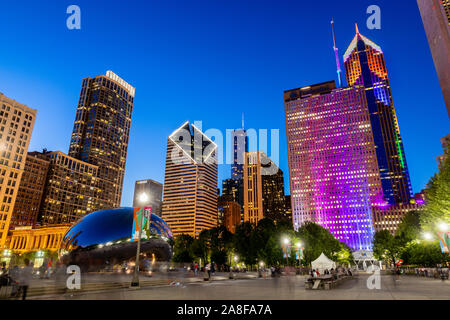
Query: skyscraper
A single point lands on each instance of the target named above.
(240, 147)
(101, 132)
(153, 190)
(333, 171)
(263, 188)
(16, 125)
(229, 213)
(70, 191)
(190, 182)
(365, 65)
(31, 189)
(436, 20)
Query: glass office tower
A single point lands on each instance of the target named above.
(365, 65)
(101, 132)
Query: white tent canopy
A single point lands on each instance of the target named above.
(322, 263)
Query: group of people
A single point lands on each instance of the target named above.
(19, 279)
(315, 273)
(210, 268)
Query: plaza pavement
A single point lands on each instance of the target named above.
(284, 288)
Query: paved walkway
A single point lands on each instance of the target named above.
(284, 288)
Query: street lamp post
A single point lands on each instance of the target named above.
(286, 244)
(135, 282)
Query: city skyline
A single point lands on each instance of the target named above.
(421, 163)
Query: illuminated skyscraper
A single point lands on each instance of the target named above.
(31, 189)
(190, 182)
(240, 147)
(263, 188)
(16, 126)
(365, 65)
(101, 132)
(333, 170)
(436, 20)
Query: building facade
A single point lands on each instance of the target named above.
(31, 189)
(101, 132)
(333, 170)
(229, 213)
(233, 190)
(288, 207)
(388, 218)
(240, 147)
(71, 190)
(190, 182)
(28, 239)
(365, 65)
(436, 20)
(263, 188)
(16, 126)
(153, 190)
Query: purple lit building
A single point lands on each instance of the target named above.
(334, 173)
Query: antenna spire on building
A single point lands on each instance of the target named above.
(356, 26)
(338, 64)
(243, 121)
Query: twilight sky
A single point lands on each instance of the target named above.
(210, 60)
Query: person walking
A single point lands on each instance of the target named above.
(208, 269)
(25, 278)
(196, 269)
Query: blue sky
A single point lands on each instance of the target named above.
(210, 60)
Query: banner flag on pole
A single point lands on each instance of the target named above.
(146, 220)
(444, 241)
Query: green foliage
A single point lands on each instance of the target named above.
(387, 247)
(200, 246)
(316, 240)
(219, 257)
(243, 244)
(182, 249)
(437, 194)
(424, 253)
(409, 228)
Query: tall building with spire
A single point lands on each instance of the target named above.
(101, 132)
(336, 53)
(365, 65)
(346, 156)
(190, 182)
(240, 147)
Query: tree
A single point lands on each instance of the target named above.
(182, 249)
(387, 247)
(221, 244)
(243, 245)
(424, 253)
(200, 247)
(316, 240)
(409, 227)
(437, 195)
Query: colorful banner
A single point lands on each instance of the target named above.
(444, 241)
(286, 251)
(299, 254)
(146, 221)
